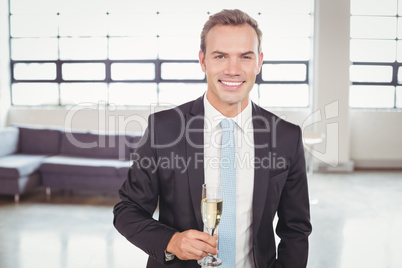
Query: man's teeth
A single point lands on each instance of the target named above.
(232, 83)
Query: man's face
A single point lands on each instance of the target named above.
(231, 63)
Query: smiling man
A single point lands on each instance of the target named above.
(231, 60)
(262, 168)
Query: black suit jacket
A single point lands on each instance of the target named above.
(168, 167)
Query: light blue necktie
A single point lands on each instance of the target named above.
(227, 225)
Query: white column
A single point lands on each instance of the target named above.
(331, 82)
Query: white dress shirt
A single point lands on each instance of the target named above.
(244, 138)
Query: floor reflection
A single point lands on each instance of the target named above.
(63, 234)
(356, 219)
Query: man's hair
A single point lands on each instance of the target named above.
(233, 17)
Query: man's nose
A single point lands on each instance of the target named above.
(232, 67)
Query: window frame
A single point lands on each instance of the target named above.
(158, 79)
(395, 65)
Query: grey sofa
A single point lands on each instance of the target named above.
(32, 157)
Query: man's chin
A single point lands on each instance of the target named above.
(232, 101)
(233, 97)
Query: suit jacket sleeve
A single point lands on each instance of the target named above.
(139, 198)
(294, 213)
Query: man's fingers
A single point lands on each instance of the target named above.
(203, 248)
(205, 237)
(192, 245)
(195, 253)
(197, 235)
(202, 243)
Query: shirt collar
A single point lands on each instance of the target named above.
(213, 117)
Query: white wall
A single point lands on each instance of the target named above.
(370, 138)
(376, 139)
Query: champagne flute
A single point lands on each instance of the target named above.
(211, 211)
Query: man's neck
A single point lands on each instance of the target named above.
(231, 110)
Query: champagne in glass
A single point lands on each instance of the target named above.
(211, 211)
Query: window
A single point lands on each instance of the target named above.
(376, 54)
(136, 53)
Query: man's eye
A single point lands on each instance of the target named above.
(246, 57)
(220, 57)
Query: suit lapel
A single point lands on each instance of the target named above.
(195, 155)
(262, 136)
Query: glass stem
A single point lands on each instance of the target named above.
(212, 233)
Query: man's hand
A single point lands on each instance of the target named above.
(192, 245)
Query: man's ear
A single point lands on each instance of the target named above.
(201, 57)
(260, 60)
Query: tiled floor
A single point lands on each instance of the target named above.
(357, 223)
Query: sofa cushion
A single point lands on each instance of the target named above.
(39, 141)
(96, 145)
(18, 165)
(82, 165)
(8, 141)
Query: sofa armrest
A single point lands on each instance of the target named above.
(8, 141)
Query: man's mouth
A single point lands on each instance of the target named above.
(231, 84)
